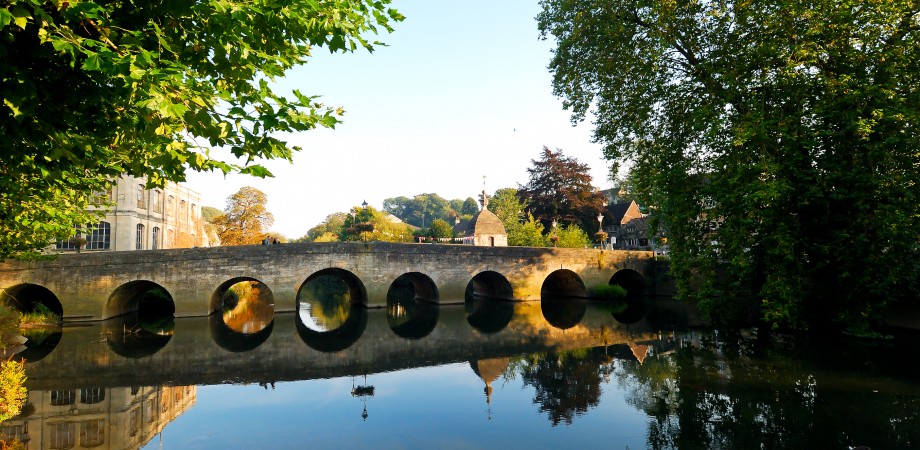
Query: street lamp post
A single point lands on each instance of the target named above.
(600, 228)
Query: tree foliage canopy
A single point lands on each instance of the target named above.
(778, 141)
(560, 189)
(92, 90)
(245, 219)
(522, 228)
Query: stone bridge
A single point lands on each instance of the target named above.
(100, 285)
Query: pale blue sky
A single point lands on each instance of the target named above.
(461, 92)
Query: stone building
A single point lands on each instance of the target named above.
(143, 219)
(485, 228)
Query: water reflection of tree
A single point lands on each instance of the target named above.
(327, 299)
(721, 393)
(248, 307)
(567, 384)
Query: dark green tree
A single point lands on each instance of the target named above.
(419, 210)
(440, 229)
(560, 189)
(777, 140)
(522, 228)
(92, 90)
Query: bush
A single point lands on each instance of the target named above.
(12, 388)
(608, 292)
(40, 315)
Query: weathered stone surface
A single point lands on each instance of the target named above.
(84, 283)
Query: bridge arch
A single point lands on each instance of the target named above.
(629, 279)
(412, 305)
(489, 284)
(142, 297)
(334, 281)
(246, 305)
(24, 298)
(563, 282)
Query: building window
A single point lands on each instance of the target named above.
(156, 238)
(70, 244)
(62, 397)
(157, 202)
(183, 211)
(139, 238)
(90, 396)
(140, 196)
(63, 435)
(170, 239)
(92, 433)
(170, 203)
(194, 211)
(99, 237)
(11, 432)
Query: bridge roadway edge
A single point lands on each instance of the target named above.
(85, 282)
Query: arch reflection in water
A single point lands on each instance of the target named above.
(637, 307)
(339, 338)
(29, 297)
(130, 337)
(411, 313)
(233, 340)
(488, 315)
(40, 343)
(246, 305)
(563, 312)
(325, 300)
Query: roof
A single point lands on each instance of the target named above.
(617, 211)
(485, 222)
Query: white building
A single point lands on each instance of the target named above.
(140, 219)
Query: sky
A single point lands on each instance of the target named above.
(460, 92)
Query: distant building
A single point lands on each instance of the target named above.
(485, 228)
(143, 219)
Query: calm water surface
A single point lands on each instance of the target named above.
(488, 374)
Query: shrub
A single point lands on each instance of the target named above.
(608, 292)
(40, 315)
(12, 388)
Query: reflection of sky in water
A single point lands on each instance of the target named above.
(436, 407)
(312, 316)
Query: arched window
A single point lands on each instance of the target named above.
(170, 204)
(170, 239)
(156, 238)
(139, 239)
(99, 237)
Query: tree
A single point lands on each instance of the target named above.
(369, 224)
(440, 229)
(420, 209)
(522, 228)
(560, 189)
(778, 142)
(151, 87)
(245, 219)
(571, 236)
(332, 224)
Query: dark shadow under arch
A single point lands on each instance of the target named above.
(324, 282)
(563, 282)
(39, 345)
(145, 298)
(24, 297)
(629, 279)
(489, 284)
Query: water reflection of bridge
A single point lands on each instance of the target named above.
(205, 351)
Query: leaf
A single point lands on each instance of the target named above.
(21, 17)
